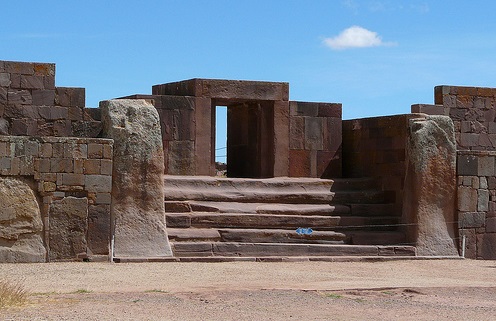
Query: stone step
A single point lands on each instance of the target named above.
(234, 249)
(375, 238)
(280, 183)
(264, 221)
(254, 235)
(253, 208)
(281, 197)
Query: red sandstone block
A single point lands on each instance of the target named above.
(297, 132)
(95, 150)
(62, 128)
(330, 110)
(299, 163)
(428, 109)
(23, 127)
(71, 179)
(99, 229)
(43, 97)
(329, 164)
(42, 165)
(44, 69)
(22, 97)
(201, 163)
(69, 97)
(49, 82)
(106, 167)
(57, 112)
(281, 139)
(107, 151)
(464, 101)
(44, 128)
(469, 140)
(61, 165)
(300, 108)
(32, 82)
(15, 81)
(92, 166)
(24, 68)
(333, 134)
(46, 150)
(49, 177)
(466, 91)
(313, 133)
(74, 113)
(78, 166)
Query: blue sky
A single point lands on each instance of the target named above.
(377, 57)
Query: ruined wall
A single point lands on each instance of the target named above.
(473, 111)
(376, 147)
(31, 105)
(73, 179)
(477, 203)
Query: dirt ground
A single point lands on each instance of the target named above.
(394, 290)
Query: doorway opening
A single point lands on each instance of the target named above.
(246, 128)
(221, 141)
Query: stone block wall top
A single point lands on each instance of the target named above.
(31, 105)
(225, 90)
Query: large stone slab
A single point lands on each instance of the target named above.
(137, 214)
(20, 224)
(430, 185)
(68, 228)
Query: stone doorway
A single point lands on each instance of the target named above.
(250, 139)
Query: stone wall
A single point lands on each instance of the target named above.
(315, 134)
(72, 178)
(473, 111)
(477, 203)
(268, 136)
(31, 105)
(376, 147)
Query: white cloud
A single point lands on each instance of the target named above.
(355, 37)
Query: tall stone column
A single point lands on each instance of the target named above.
(137, 214)
(430, 186)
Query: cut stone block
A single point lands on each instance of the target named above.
(68, 228)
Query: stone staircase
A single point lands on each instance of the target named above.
(211, 218)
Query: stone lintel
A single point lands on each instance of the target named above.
(225, 90)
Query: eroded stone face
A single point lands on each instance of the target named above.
(138, 214)
(20, 223)
(68, 228)
(430, 185)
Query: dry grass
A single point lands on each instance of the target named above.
(12, 293)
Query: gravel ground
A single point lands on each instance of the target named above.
(395, 290)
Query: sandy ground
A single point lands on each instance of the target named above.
(395, 290)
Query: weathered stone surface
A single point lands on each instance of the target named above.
(68, 228)
(20, 223)
(430, 186)
(137, 214)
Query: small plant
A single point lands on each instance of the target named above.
(12, 293)
(155, 291)
(334, 296)
(81, 291)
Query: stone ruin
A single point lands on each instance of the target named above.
(134, 180)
